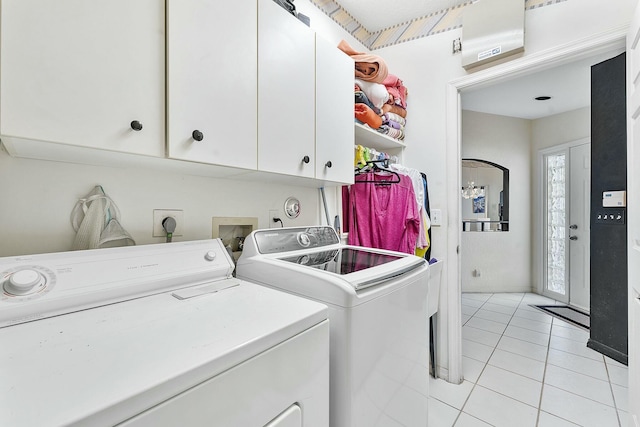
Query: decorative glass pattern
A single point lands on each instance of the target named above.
(555, 223)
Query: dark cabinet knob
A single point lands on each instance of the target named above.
(136, 125)
(306, 159)
(328, 164)
(197, 135)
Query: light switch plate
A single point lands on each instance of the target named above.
(436, 217)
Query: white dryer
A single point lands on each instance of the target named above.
(156, 335)
(378, 314)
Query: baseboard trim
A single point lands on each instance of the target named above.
(499, 290)
(614, 354)
(443, 373)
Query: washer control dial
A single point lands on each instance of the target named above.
(24, 282)
(210, 255)
(303, 239)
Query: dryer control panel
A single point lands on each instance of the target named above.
(38, 286)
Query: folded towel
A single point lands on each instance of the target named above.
(396, 89)
(394, 117)
(367, 115)
(393, 124)
(371, 68)
(376, 92)
(389, 131)
(396, 109)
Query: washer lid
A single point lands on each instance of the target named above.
(343, 260)
(362, 267)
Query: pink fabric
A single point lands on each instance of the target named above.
(383, 216)
(369, 67)
(396, 89)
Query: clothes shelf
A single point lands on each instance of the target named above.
(369, 137)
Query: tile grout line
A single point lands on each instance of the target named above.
(576, 394)
(578, 372)
(479, 375)
(538, 409)
(546, 365)
(615, 407)
(544, 374)
(487, 363)
(496, 346)
(613, 395)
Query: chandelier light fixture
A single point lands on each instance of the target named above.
(470, 191)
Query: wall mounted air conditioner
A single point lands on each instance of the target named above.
(491, 30)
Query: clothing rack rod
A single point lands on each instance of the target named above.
(385, 162)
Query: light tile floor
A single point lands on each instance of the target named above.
(524, 368)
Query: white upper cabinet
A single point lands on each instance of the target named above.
(334, 113)
(243, 85)
(83, 73)
(286, 92)
(212, 82)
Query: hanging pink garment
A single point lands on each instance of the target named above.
(383, 216)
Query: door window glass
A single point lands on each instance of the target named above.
(555, 223)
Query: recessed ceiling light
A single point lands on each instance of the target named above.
(542, 98)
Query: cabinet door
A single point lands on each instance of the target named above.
(80, 72)
(334, 113)
(212, 82)
(286, 92)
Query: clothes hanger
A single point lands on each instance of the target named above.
(378, 166)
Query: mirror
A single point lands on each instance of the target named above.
(485, 196)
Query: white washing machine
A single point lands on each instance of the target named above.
(377, 303)
(156, 335)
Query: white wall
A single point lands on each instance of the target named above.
(502, 258)
(545, 133)
(559, 129)
(37, 198)
(485, 253)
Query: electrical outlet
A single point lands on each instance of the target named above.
(456, 46)
(273, 213)
(161, 214)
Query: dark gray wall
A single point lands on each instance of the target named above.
(608, 236)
